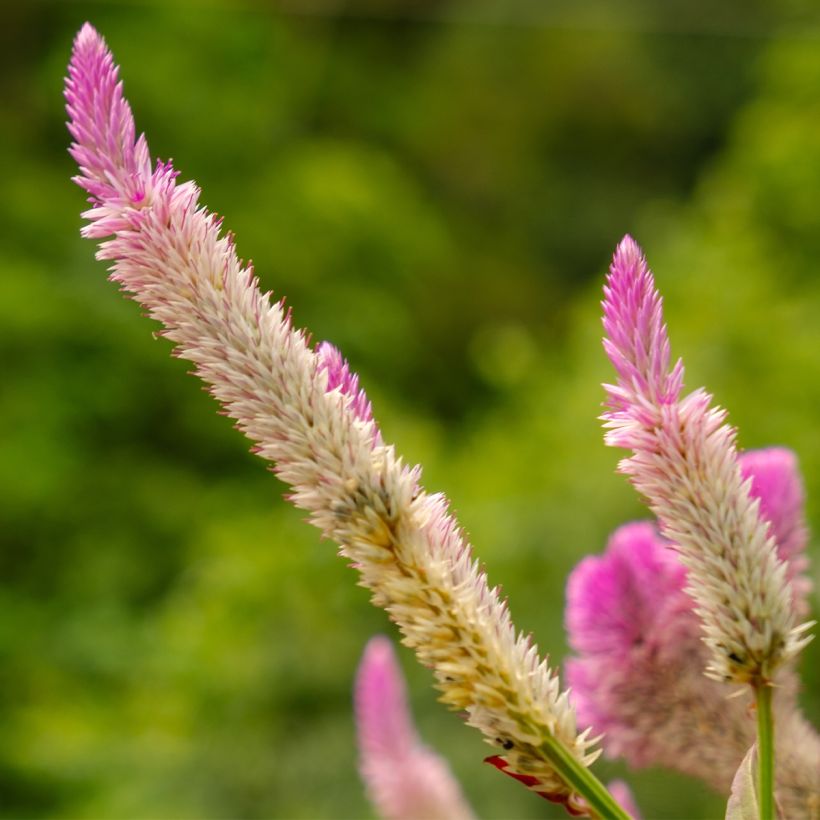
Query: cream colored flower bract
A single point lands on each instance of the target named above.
(685, 464)
(304, 412)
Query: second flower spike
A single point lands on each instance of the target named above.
(684, 462)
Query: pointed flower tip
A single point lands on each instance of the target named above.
(628, 257)
(378, 657)
(635, 339)
(87, 34)
(629, 280)
(380, 699)
(628, 245)
(88, 41)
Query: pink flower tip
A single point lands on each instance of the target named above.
(628, 253)
(624, 797)
(635, 336)
(88, 35)
(404, 779)
(382, 715)
(115, 167)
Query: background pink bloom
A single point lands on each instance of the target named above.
(777, 483)
(405, 780)
(638, 674)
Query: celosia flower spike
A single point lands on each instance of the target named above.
(685, 464)
(405, 780)
(305, 413)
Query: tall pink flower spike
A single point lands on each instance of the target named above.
(685, 464)
(405, 780)
(304, 411)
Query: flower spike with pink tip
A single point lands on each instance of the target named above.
(685, 464)
(304, 411)
(404, 779)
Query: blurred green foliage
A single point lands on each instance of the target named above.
(437, 189)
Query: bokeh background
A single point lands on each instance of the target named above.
(437, 188)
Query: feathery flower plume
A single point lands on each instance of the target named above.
(405, 780)
(685, 464)
(304, 412)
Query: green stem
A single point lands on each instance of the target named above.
(765, 751)
(583, 781)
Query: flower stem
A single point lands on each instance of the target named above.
(765, 751)
(599, 800)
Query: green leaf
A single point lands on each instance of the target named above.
(742, 803)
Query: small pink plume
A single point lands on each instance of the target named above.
(404, 779)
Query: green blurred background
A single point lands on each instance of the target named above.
(437, 188)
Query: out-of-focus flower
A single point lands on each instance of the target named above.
(777, 484)
(685, 464)
(623, 795)
(638, 675)
(405, 780)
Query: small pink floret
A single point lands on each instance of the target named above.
(405, 780)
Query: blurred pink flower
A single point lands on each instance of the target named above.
(633, 596)
(405, 780)
(624, 797)
(638, 675)
(777, 483)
